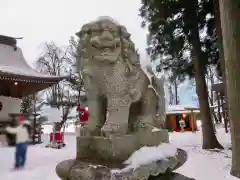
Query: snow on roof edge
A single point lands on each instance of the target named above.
(181, 112)
(180, 107)
(14, 63)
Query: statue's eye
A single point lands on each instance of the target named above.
(89, 32)
(118, 44)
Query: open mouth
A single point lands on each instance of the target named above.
(105, 45)
(107, 54)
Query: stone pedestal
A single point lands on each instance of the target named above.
(170, 176)
(115, 150)
(79, 170)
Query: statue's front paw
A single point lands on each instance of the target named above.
(84, 131)
(135, 95)
(106, 130)
(110, 129)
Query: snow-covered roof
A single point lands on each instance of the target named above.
(181, 112)
(181, 109)
(12, 62)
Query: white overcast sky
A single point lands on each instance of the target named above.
(38, 21)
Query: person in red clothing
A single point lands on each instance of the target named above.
(84, 115)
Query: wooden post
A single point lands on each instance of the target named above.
(219, 107)
(222, 106)
(192, 120)
(34, 120)
(14, 89)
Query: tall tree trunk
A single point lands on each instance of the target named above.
(170, 94)
(214, 116)
(230, 13)
(211, 80)
(220, 40)
(34, 120)
(211, 97)
(209, 138)
(176, 91)
(219, 107)
(221, 50)
(225, 114)
(59, 125)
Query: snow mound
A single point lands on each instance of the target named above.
(147, 155)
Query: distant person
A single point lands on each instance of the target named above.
(83, 112)
(22, 132)
(84, 117)
(182, 124)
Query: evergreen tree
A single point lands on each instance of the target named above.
(26, 105)
(174, 34)
(230, 12)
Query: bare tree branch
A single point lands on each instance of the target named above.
(61, 61)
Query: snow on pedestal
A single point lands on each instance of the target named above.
(147, 155)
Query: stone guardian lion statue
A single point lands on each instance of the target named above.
(114, 82)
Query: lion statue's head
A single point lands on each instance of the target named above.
(106, 41)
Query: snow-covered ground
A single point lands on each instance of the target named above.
(41, 161)
(202, 165)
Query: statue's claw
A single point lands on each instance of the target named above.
(106, 130)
